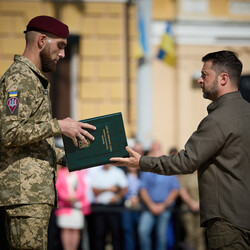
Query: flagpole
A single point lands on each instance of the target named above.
(144, 79)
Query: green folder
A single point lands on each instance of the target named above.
(110, 140)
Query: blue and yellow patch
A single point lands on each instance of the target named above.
(12, 103)
(12, 94)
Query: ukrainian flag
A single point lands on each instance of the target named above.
(142, 44)
(167, 51)
(13, 94)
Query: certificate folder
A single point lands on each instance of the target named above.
(110, 140)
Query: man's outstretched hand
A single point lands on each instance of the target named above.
(131, 162)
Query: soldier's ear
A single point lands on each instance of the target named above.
(42, 40)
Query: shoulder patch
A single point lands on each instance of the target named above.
(12, 103)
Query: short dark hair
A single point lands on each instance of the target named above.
(225, 61)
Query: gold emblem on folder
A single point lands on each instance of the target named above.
(82, 145)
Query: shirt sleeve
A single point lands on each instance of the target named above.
(143, 181)
(60, 156)
(30, 120)
(204, 143)
(176, 184)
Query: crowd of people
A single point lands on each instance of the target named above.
(126, 209)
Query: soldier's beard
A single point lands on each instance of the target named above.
(48, 64)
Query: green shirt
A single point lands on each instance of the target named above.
(220, 150)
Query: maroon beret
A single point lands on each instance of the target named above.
(48, 24)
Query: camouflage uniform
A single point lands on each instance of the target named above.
(27, 152)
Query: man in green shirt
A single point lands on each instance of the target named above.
(220, 150)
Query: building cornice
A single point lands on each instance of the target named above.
(194, 32)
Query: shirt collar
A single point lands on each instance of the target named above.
(32, 66)
(26, 61)
(232, 95)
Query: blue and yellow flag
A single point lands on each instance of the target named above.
(142, 43)
(167, 51)
(12, 94)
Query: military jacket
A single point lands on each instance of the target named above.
(220, 150)
(28, 156)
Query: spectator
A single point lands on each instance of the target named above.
(189, 193)
(131, 213)
(90, 176)
(190, 210)
(109, 187)
(155, 150)
(73, 205)
(158, 194)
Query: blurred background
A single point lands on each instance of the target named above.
(138, 57)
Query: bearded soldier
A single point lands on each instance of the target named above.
(27, 151)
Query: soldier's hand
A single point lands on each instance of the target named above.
(74, 129)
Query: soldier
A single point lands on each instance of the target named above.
(27, 152)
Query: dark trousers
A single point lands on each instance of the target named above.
(3, 237)
(108, 220)
(222, 235)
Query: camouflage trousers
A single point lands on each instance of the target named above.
(27, 226)
(222, 235)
